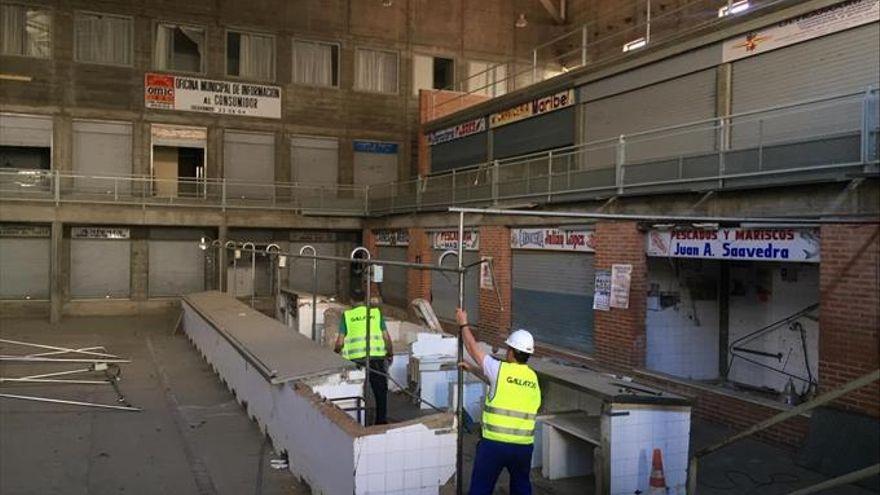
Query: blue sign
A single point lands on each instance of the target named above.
(375, 147)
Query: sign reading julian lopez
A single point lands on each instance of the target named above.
(194, 94)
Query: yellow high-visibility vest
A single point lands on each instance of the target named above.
(509, 416)
(355, 343)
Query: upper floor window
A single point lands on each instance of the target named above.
(103, 38)
(315, 63)
(250, 55)
(375, 70)
(180, 48)
(486, 78)
(432, 73)
(25, 31)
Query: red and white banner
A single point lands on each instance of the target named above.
(542, 105)
(448, 239)
(194, 94)
(457, 131)
(553, 239)
(801, 245)
(831, 19)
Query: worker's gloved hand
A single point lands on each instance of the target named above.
(461, 317)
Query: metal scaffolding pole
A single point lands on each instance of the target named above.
(459, 403)
(367, 270)
(314, 290)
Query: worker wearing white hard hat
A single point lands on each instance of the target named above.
(508, 423)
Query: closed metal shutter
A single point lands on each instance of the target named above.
(835, 64)
(681, 100)
(553, 130)
(314, 160)
(394, 285)
(249, 156)
(25, 130)
(444, 288)
(553, 297)
(464, 152)
(102, 149)
(24, 268)
(300, 270)
(374, 168)
(177, 265)
(100, 268)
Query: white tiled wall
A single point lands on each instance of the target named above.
(682, 339)
(633, 440)
(765, 297)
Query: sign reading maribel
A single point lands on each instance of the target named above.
(542, 105)
(194, 94)
(801, 245)
(553, 239)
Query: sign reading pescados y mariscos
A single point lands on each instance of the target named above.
(545, 104)
(194, 94)
(800, 245)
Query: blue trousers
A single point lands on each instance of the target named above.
(492, 457)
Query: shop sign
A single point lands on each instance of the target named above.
(194, 94)
(448, 239)
(736, 244)
(375, 147)
(621, 278)
(487, 281)
(15, 230)
(602, 292)
(553, 239)
(455, 132)
(306, 236)
(545, 104)
(99, 233)
(818, 23)
(392, 237)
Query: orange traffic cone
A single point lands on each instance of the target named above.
(657, 482)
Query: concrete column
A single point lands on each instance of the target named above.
(495, 318)
(56, 273)
(619, 334)
(222, 233)
(849, 313)
(140, 265)
(724, 100)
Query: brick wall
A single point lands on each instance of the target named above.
(495, 318)
(619, 334)
(418, 282)
(849, 315)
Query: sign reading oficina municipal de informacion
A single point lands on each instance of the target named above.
(827, 20)
(194, 94)
(800, 245)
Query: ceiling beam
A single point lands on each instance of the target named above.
(558, 13)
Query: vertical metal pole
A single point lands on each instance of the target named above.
(367, 199)
(223, 193)
(459, 403)
(648, 21)
(534, 66)
(584, 45)
(621, 159)
(495, 178)
(367, 304)
(302, 251)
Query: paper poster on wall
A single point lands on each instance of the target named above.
(801, 245)
(448, 239)
(486, 279)
(814, 24)
(621, 276)
(194, 94)
(602, 292)
(387, 237)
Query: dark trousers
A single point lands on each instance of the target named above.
(379, 386)
(492, 457)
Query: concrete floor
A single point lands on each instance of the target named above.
(193, 437)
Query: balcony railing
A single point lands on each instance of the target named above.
(821, 139)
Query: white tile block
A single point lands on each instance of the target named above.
(412, 479)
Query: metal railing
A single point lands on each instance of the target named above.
(820, 139)
(574, 48)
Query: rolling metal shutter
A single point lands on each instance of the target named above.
(102, 148)
(177, 265)
(394, 285)
(300, 270)
(24, 268)
(314, 160)
(467, 151)
(553, 130)
(249, 156)
(839, 63)
(100, 268)
(444, 289)
(553, 297)
(681, 100)
(371, 167)
(25, 130)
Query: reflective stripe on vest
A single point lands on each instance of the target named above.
(510, 415)
(355, 342)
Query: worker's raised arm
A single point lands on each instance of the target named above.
(470, 343)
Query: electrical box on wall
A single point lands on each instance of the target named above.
(378, 273)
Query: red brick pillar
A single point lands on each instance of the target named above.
(418, 282)
(849, 313)
(619, 334)
(495, 318)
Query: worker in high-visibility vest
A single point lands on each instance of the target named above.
(509, 412)
(351, 342)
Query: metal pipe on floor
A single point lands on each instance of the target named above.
(53, 380)
(68, 402)
(459, 404)
(840, 480)
(20, 359)
(57, 348)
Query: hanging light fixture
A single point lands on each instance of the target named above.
(387, 3)
(521, 21)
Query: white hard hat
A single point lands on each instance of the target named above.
(521, 340)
